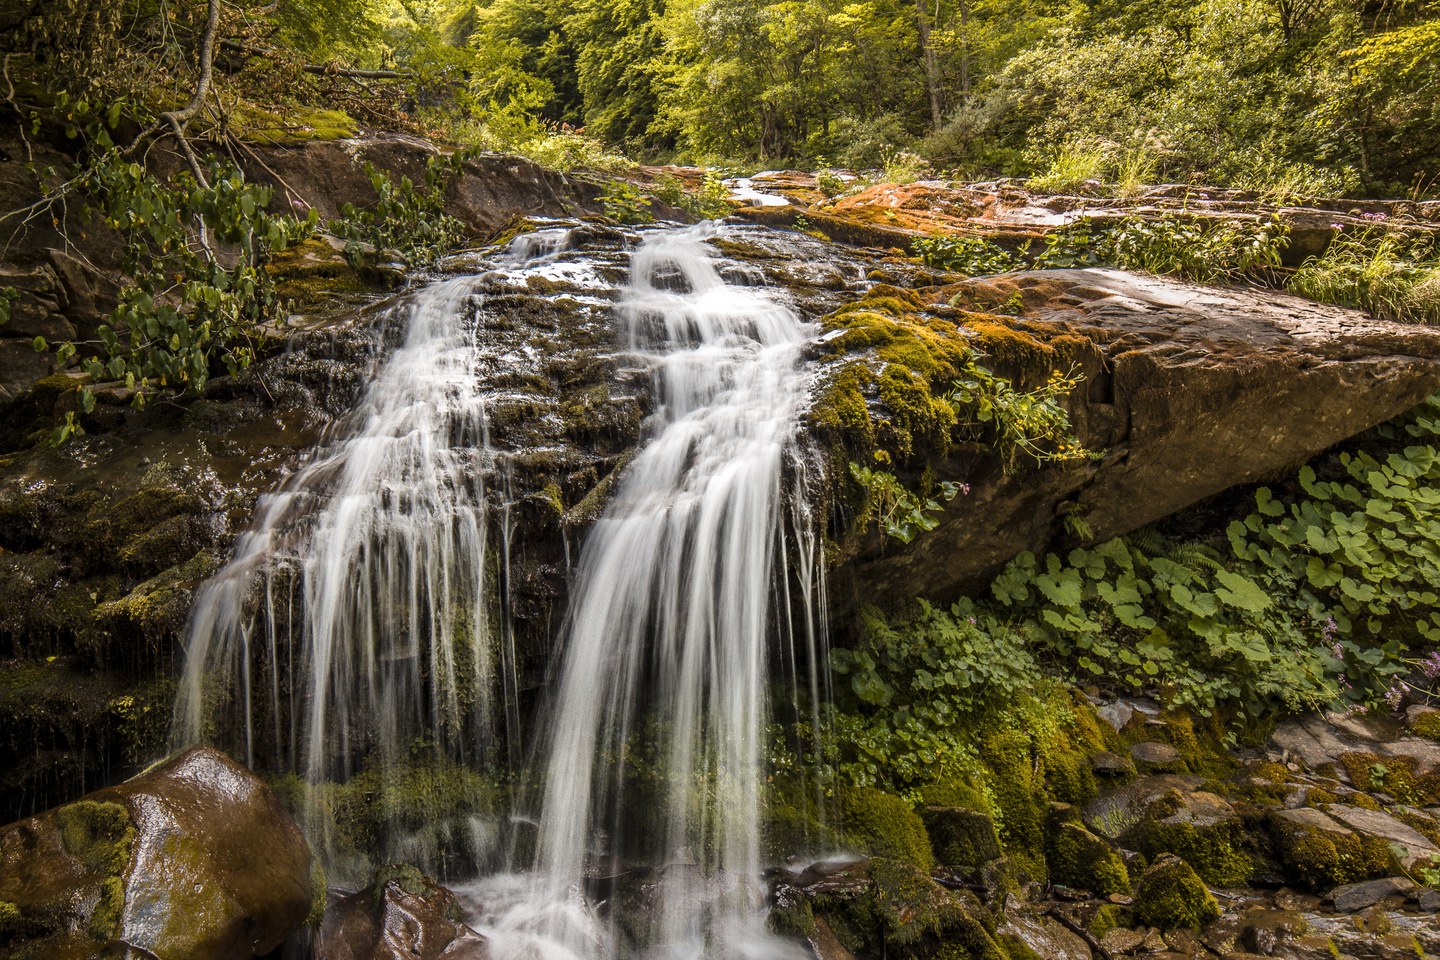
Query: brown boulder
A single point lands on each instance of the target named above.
(193, 860)
(403, 915)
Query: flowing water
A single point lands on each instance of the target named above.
(667, 637)
(353, 626)
(362, 605)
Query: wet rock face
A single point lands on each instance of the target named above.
(195, 860)
(1188, 391)
(104, 540)
(402, 915)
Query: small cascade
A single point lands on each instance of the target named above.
(667, 639)
(351, 635)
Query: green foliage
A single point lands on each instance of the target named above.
(1033, 423)
(1392, 277)
(407, 220)
(917, 686)
(186, 311)
(972, 256)
(1196, 248)
(623, 201)
(900, 513)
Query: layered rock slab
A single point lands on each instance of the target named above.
(193, 860)
(1189, 390)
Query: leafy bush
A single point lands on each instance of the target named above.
(1198, 249)
(1075, 167)
(898, 511)
(973, 256)
(623, 201)
(407, 220)
(1384, 273)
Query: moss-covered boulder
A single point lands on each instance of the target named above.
(896, 911)
(193, 860)
(1171, 896)
(1318, 852)
(401, 915)
(1078, 858)
(1201, 828)
(961, 837)
(883, 825)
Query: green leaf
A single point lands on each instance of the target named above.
(1241, 592)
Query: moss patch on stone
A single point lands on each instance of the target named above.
(1171, 896)
(883, 825)
(1078, 858)
(1319, 859)
(905, 361)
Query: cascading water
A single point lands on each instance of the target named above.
(672, 607)
(352, 633)
(352, 628)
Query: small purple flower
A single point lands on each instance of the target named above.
(1329, 629)
(1395, 696)
(1430, 666)
(965, 489)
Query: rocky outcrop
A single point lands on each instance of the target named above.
(194, 860)
(402, 915)
(1188, 391)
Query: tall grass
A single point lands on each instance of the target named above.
(1390, 276)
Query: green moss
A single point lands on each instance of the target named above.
(104, 922)
(961, 836)
(1019, 791)
(298, 124)
(884, 826)
(1011, 351)
(319, 895)
(11, 922)
(791, 916)
(909, 362)
(1216, 851)
(1318, 797)
(1109, 917)
(1078, 858)
(1318, 859)
(1171, 896)
(408, 878)
(98, 834)
(1427, 725)
(1396, 776)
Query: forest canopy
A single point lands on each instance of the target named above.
(1292, 96)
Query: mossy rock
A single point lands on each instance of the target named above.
(1318, 854)
(902, 913)
(1170, 895)
(1078, 858)
(1203, 830)
(961, 837)
(883, 825)
(1427, 725)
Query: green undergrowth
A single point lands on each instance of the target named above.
(1204, 249)
(1388, 274)
(1313, 599)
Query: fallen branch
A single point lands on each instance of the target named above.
(321, 69)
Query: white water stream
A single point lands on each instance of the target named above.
(375, 610)
(673, 604)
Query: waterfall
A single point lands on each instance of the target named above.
(352, 630)
(359, 632)
(666, 638)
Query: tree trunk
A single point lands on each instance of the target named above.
(932, 65)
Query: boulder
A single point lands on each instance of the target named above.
(1189, 390)
(1353, 897)
(1157, 756)
(1318, 852)
(402, 915)
(1169, 896)
(193, 860)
